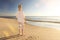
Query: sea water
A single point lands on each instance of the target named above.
(45, 24)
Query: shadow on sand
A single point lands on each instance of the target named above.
(9, 37)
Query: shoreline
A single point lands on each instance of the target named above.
(41, 23)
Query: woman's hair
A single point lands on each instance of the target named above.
(19, 6)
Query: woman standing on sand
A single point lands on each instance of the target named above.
(20, 18)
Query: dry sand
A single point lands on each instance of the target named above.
(30, 32)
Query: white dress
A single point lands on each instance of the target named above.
(20, 17)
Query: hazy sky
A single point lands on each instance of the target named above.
(8, 7)
(30, 7)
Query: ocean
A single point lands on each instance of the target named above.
(45, 21)
(41, 21)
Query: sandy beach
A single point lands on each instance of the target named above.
(9, 27)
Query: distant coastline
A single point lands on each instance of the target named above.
(13, 17)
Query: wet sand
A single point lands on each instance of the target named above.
(9, 27)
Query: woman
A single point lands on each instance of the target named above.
(20, 18)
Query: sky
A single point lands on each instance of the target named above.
(30, 7)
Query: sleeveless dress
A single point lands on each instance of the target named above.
(20, 17)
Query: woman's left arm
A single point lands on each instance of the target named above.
(24, 17)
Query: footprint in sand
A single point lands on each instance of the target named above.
(31, 38)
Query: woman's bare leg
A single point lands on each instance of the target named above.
(21, 29)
